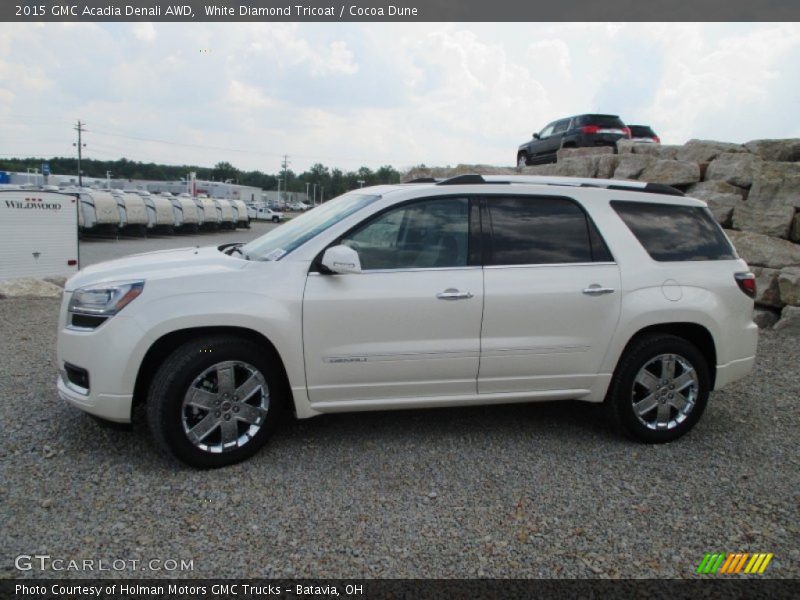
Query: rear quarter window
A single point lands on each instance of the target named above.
(675, 233)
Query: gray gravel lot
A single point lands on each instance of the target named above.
(540, 490)
(98, 249)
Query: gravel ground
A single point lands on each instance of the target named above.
(540, 490)
(98, 249)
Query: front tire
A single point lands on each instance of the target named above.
(215, 401)
(522, 160)
(660, 388)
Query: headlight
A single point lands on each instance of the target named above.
(105, 299)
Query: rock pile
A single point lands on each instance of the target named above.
(752, 189)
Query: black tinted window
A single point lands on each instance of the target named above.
(675, 233)
(605, 121)
(642, 131)
(537, 230)
(426, 234)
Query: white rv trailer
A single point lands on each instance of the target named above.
(159, 211)
(242, 218)
(177, 209)
(211, 215)
(135, 210)
(38, 233)
(226, 213)
(98, 209)
(192, 214)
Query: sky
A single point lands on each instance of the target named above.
(373, 94)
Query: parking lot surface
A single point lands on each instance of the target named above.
(95, 249)
(524, 491)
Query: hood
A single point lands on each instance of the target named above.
(161, 264)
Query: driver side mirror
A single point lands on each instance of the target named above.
(536, 136)
(341, 259)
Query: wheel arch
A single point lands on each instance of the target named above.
(696, 334)
(167, 343)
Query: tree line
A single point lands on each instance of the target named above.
(334, 181)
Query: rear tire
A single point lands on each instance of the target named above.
(660, 388)
(215, 401)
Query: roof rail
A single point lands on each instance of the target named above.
(468, 179)
(610, 184)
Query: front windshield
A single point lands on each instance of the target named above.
(282, 240)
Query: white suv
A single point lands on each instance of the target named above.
(466, 291)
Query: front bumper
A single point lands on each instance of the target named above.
(111, 407)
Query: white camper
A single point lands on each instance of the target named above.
(192, 214)
(99, 210)
(38, 233)
(177, 209)
(242, 218)
(159, 211)
(226, 214)
(211, 214)
(135, 209)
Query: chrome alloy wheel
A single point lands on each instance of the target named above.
(665, 392)
(225, 407)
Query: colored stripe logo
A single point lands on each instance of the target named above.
(734, 562)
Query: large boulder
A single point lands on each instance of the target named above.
(657, 150)
(794, 233)
(606, 165)
(548, 169)
(625, 146)
(589, 151)
(720, 187)
(774, 220)
(734, 167)
(671, 172)
(445, 172)
(789, 285)
(706, 150)
(28, 288)
(767, 291)
(764, 317)
(780, 150)
(765, 251)
(630, 166)
(721, 204)
(789, 321)
(776, 183)
(578, 166)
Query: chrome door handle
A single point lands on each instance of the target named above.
(596, 290)
(453, 294)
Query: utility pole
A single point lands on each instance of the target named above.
(307, 186)
(285, 166)
(79, 128)
(314, 201)
(108, 180)
(321, 194)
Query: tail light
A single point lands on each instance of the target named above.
(656, 139)
(590, 129)
(627, 131)
(747, 283)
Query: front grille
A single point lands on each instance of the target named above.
(77, 376)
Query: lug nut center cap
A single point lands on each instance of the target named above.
(226, 406)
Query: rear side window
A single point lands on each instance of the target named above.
(675, 233)
(541, 230)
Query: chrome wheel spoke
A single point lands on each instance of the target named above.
(248, 388)
(230, 431)
(668, 367)
(251, 414)
(679, 402)
(645, 405)
(206, 425)
(662, 417)
(225, 379)
(201, 398)
(685, 380)
(647, 380)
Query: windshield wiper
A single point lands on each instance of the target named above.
(229, 249)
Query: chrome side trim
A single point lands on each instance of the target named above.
(372, 271)
(584, 264)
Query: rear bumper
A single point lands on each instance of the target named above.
(735, 369)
